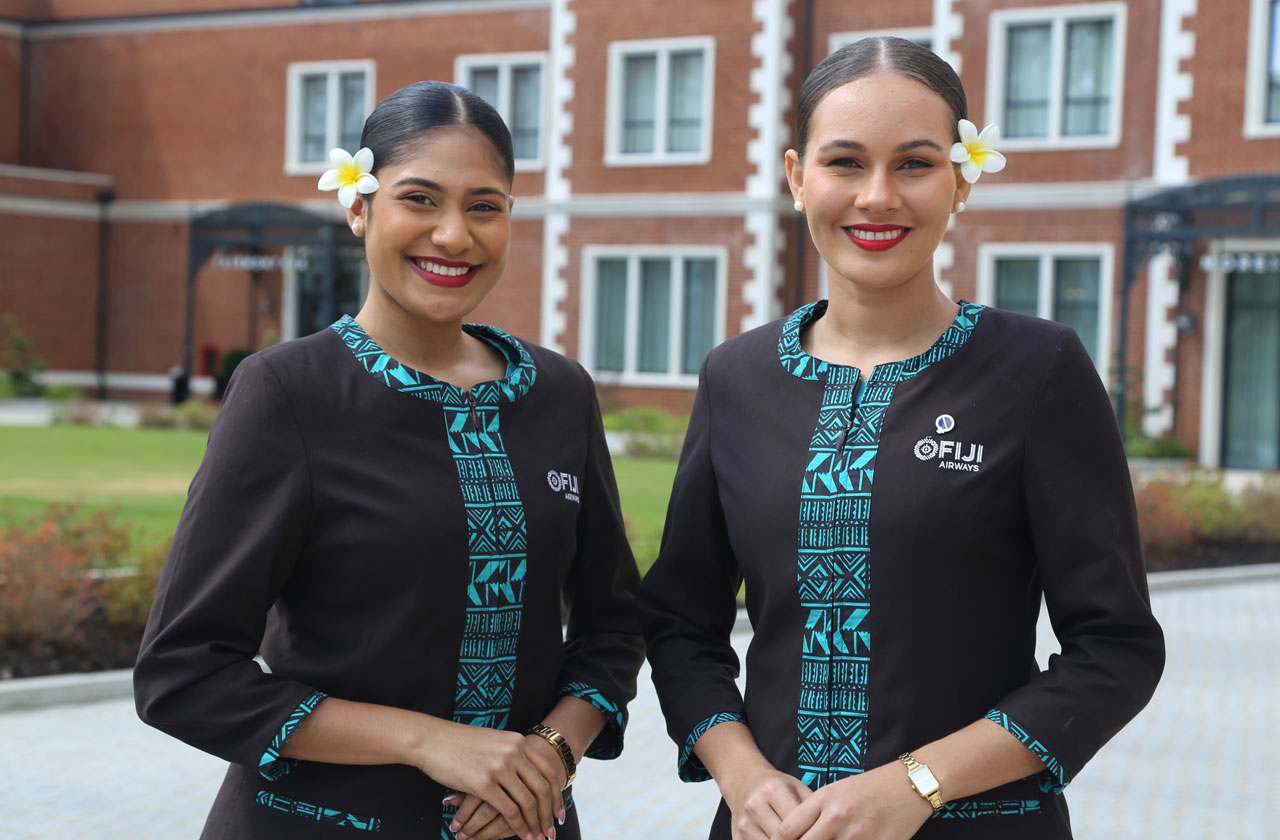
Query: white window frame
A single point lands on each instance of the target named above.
(1057, 17)
(293, 108)
(1255, 85)
(1046, 253)
(662, 47)
(503, 63)
(912, 33)
(633, 254)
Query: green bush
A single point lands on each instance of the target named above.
(18, 368)
(1175, 511)
(651, 432)
(127, 597)
(195, 413)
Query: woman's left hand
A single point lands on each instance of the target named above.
(880, 804)
(478, 820)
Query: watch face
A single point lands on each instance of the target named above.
(924, 781)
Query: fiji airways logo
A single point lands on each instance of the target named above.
(563, 481)
(951, 454)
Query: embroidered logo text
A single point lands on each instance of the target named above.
(951, 454)
(563, 481)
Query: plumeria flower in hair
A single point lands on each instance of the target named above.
(350, 175)
(976, 153)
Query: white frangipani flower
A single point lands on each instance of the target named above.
(350, 175)
(976, 152)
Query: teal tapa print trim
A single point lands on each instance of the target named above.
(608, 744)
(317, 813)
(271, 766)
(1053, 779)
(689, 766)
(966, 810)
(834, 569)
(497, 536)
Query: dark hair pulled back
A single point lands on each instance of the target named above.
(875, 55)
(405, 116)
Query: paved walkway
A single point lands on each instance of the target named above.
(1200, 762)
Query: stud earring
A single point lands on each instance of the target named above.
(959, 206)
(799, 205)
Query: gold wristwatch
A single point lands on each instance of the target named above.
(566, 753)
(923, 780)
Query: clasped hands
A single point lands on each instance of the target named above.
(880, 804)
(509, 784)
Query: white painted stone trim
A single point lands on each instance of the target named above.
(61, 176)
(1162, 335)
(358, 13)
(762, 259)
(1173, 88)
(556, 185)
(122, 380)
(948, 27)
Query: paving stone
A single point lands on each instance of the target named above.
(1198, 762)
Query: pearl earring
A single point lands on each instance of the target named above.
(959, 206)
(799, 205)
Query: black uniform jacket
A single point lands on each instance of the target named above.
(896, 537)
(384, 537)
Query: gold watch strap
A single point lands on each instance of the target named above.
(566, 753)
(934, 796)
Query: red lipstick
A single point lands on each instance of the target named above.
(870, 237)
(425, 267)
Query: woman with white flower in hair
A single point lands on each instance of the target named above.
(394, 511)
(897, 478)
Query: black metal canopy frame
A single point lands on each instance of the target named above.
(249, 229)
(1177, 221)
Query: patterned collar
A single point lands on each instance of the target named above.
(517, 381)
(800, 364)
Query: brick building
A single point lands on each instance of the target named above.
(158, 161)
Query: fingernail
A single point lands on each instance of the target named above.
(454, 826)
(562, 816)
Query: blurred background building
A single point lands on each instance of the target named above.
(158, 161)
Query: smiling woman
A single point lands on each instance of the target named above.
(375, 514)
(932, 468)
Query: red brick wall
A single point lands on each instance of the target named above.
(76, 9)
(10, 97)
(600, 22)
(1220, 65)
(17, 9)
(50, 286)
(1133, 158)
(515, 304)
(201, 114)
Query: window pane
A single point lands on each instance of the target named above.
(483, 82)
(1087, 99)
(526, 109)
(313, 149)
(655, 315)
(1076, 299)
(611, 314)
(1018, 285)
(639, 80)
(1273, 66)
(699, 313)
(352, 105)
(1251, 409)
(1026, 104)
(684, 120)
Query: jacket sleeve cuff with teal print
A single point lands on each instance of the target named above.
(608, 744)
(1053, 779)
(689, 766)
(271, 766)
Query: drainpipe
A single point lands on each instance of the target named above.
(104, 199)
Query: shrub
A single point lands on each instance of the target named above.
(194, 413)
(127, 597)
(47, 564)
(18, 368)
(650, 431)
(1164, 520)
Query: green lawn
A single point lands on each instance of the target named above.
(144, 474)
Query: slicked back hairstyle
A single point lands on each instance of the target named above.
(404, 117)
(879, 54)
